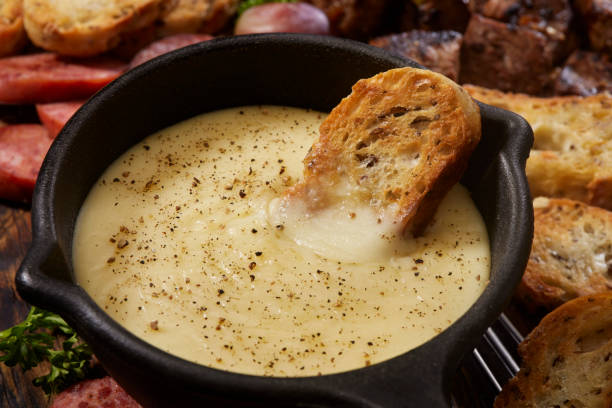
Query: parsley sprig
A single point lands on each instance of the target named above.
(33, 341)
(247, 4)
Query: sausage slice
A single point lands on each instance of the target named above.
(22, 150)
(47, 77)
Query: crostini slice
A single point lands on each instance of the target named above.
(400, 140)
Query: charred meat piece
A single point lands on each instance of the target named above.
(553, 18)
(357, 19)
(585, 73)
(408, 16)
(597, 16)
(506, 57)
(443, 15)
(437, 50)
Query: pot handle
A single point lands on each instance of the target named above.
(40, 280)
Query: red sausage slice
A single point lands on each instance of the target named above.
(55, 115)
(22, 150)
(47, 77)
(102, 392)
(174, 42)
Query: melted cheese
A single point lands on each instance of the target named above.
(181, 242)
(346, 230)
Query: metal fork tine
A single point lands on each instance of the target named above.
(510, 328)
(486, 369)
(494, 360)
(502, 352)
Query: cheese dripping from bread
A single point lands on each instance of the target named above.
(385, 158)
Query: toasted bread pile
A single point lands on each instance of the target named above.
(402, 138)
(90, 27)
(572, 151)
(85, 27)
(567, 359)
(570, 163)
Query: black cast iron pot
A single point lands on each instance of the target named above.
(295, 70)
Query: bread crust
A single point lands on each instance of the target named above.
(572, 151)
(86, 27)
(183, 16)
(566, 359)
(571, 255)
(402, 138)
(219, 15)
(12, 34)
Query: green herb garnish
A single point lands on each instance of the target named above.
(247, 4)
(33, 341)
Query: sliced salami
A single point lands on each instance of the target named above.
(47, 77)
(55, 115)
(101, 392)
(22, 150)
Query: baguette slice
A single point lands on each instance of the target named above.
(566, 359)
(572, 150)
(571, 254)
(86, 27)
(12, 34)
(401, 140)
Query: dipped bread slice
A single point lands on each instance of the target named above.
(400, 140)
(86, 27)
(571, 254)
(566, 359)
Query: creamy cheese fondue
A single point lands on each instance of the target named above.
(180, 242)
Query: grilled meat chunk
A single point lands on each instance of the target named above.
(443, 15)
(585, 73)
(553, 18)
(597, 16)
(357, 19)
(437, 50)
(506, 57)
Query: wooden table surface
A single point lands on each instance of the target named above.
(16, 389)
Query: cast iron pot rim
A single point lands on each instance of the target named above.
(72, 302)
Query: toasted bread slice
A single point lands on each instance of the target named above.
(86, 27)
(183, 16)
(401, 139)
(12, 33)
(566, 359)
(572, 151)
(571, 254)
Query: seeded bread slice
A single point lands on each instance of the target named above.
(572, 150)
(12, 33)
(86, 27)
(566, 359)
(401, 138)
(571, 254)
